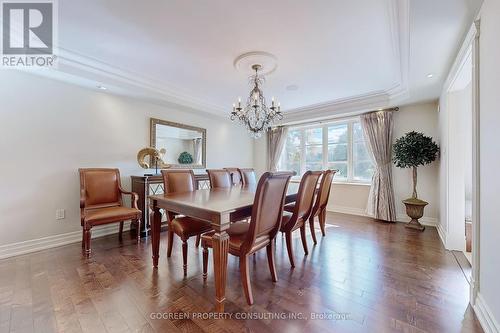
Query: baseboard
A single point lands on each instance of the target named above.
(485, 316)
(442, 234)
(428, 221)
(347, 210)
(34, 245)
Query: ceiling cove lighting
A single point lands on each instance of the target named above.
(256, 116)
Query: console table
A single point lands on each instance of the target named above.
(145, 186)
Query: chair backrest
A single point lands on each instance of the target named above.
(267, 208)
(99, 188)
(305, 195)
(235, 175)
(219, 178)
(178, 181)
(248, 176)
(324, 189)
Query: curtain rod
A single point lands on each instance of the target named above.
(326, 120)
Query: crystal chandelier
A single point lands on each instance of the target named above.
(256, 116)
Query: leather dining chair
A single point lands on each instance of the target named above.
(248, 238)
(301, 212)
(235, 175)
(183, 226)
(319, 208)
(219, 178)
(247, 176)
(101, 203)
(320, 203)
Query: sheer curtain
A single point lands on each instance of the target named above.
(197, 150)
(276, 139)
(378, 132)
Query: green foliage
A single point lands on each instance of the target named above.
(185, 158)
(414, 149)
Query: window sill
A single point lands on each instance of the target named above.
(338, 183)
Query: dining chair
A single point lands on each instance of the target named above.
(235, 175)
(183, 226)
(101, 203)
(301, 212)
(219, 178)
(248, 238)
(247, 176)
(320, 203)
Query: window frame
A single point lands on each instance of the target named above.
(350, 149)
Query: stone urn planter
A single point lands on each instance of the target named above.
(415, 210)
(411, 151)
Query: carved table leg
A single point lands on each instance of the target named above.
(220, 244)
(155, 233)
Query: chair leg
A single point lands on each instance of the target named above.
(184, 255)
(138, 229)
(170, 242)
(205, 262)
(289, 247)
(322, 221)
(304, 239)
(198, 239)
(121, 230)
(87, 235)
(270, 261)
(245, 279)
(311, 226)
(83, 237)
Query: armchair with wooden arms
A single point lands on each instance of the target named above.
(101, 202)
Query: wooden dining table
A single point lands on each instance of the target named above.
(220, 206)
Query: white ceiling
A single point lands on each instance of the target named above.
(337, 52)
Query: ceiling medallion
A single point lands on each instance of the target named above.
(255, 115)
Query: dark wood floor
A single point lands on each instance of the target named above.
(374, 277)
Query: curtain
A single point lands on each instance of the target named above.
(276, 139)
(378, 131)
(197, 150)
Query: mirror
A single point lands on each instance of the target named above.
(185, 145)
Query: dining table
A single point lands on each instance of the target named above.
(219, 206)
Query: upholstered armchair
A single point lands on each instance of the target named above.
(101, 203)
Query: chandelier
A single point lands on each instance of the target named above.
(256, 116)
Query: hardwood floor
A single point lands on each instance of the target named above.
(375, 277)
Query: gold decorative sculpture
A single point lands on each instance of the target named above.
(156, 157)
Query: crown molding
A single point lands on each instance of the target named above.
(87, 71)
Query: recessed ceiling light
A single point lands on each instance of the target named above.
(380, 109)
(292, 87)
(430, 75)
(101, 87)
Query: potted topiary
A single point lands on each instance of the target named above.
(411, 151)
(185, 158)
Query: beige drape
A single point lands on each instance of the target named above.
(276, 139)
(378, 131)
(197, 150)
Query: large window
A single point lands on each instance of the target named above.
(339, 146)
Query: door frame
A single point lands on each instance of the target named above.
(470, 47)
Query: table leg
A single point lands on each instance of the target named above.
(220, 244)
(155, 233)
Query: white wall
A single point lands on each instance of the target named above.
(49, 129)
(420, 118)
(489, 288)
(352, 199)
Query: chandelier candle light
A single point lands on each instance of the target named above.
(256, 116)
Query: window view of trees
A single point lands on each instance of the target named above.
(338, 146)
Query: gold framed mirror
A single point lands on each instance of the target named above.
(185, 145)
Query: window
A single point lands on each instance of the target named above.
(339, 146)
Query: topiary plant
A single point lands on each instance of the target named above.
(185, 158)
(413, 150)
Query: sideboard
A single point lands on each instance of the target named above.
(145, 186)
